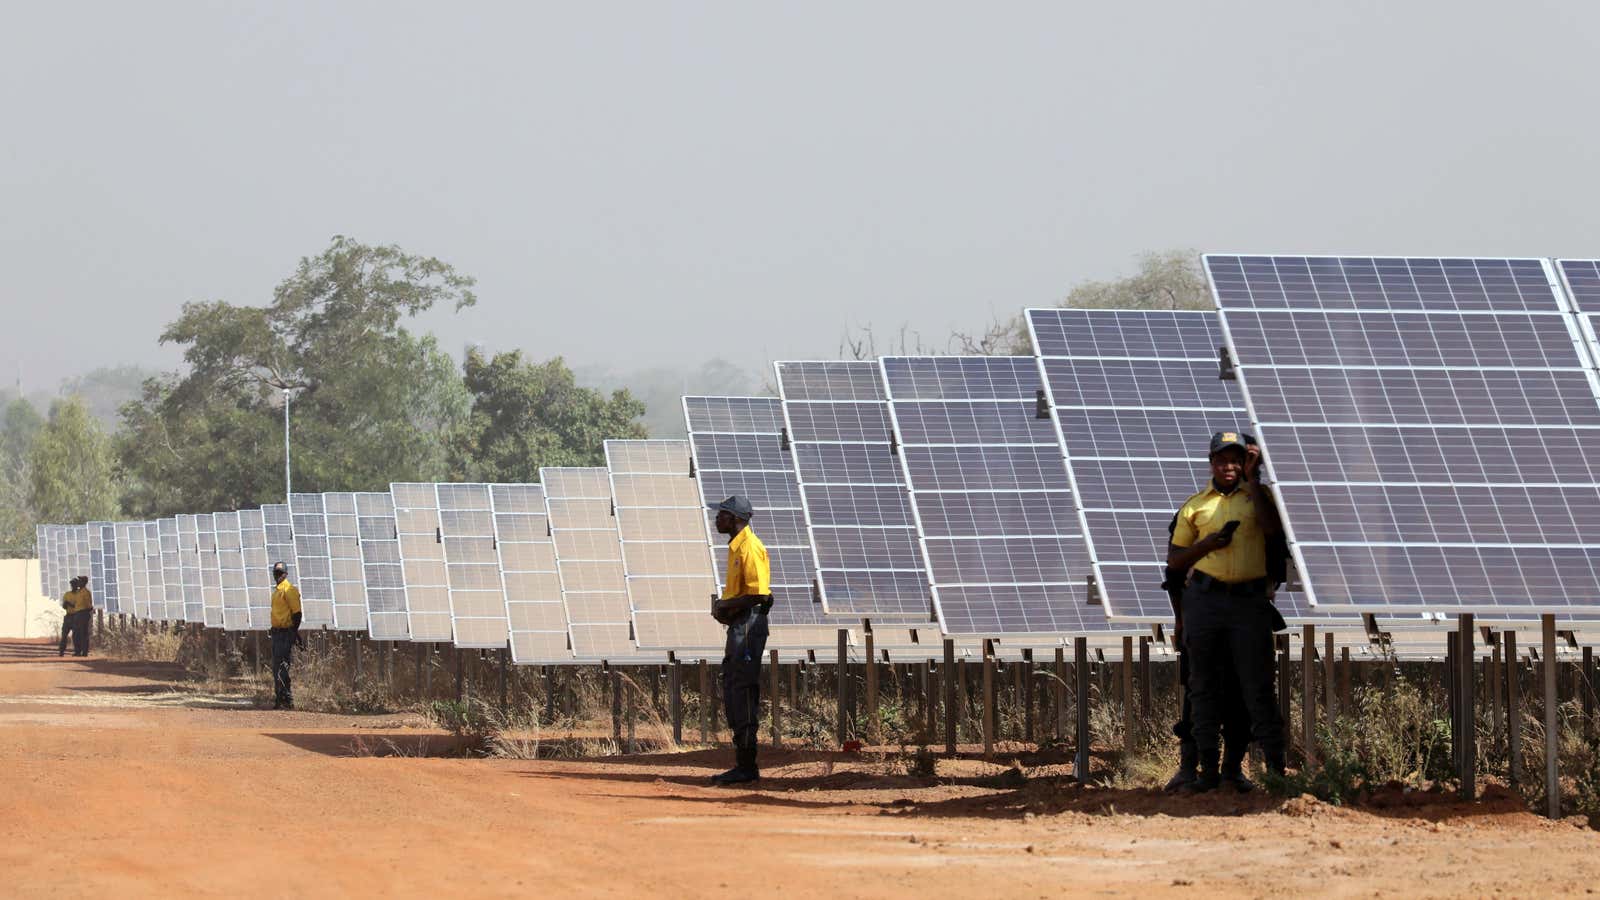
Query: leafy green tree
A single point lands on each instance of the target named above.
(20, 425)
(371, 402)
(72, 473)
(527, 415)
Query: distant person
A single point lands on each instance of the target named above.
(1221, 540)
(285, 634)
(77, 606)
(743, 607)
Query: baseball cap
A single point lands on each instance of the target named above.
(1222, 440)
(739, 506)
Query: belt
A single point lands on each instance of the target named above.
(1255, 587)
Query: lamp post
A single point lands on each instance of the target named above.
(286, 484)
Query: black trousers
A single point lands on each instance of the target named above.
(1223, 630)
(76, 626)
(1235, 717)
(282, 655)
(741, 682)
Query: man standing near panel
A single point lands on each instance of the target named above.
(743, 607)
(78, 611)
(285, 634)
(1221, 540)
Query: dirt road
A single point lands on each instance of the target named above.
(112, 783)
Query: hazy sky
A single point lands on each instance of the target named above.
(654, 183)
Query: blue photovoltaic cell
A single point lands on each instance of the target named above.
(754, 465)
(1409, 512)
(1137, 395)
(853, 491)
(990, 492)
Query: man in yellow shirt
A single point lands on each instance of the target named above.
(743, 607)
(285, 634)
(77, 606)
(1220, 540)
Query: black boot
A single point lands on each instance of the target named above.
(1209, 777)
(744, 770)
(1188, 761)
(1233, 771)
(1276, 763)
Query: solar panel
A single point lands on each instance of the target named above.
(1442, 358)
(857, 509)
(67, 541)
(97, 564)
(138, 574)
(527, 561)
(472, 566)
(232, 583)
(589, 562)
(738, 449)
(311, 560)
(155, 575)
(416, 516)
(667, 563)
(189, 569)
(381, 568)
(171, 570)
(205, 534)
(347, 582)
(266, 538)
(1153, 373)
(991, 497)
(42, 551)
(80, 549)
(124, 561)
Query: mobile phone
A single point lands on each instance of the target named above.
(1229, 527)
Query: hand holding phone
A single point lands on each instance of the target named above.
(1224, 536)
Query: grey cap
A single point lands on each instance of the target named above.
(1223, 440)
(739, 506)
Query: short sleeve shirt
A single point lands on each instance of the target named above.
(1245, 559)
(749, 571)
(78, 600)
(285, 603)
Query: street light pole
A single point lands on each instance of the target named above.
(286, 485)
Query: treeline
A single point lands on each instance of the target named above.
(370, 402)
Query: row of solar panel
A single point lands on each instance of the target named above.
(884, 485)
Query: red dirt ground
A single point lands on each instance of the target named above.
(113, 782)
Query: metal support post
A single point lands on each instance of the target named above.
(988, 698)
(777, 701)
(1080, 672)
(1130, 730)
(950, 713)
(1027, 695)
(675, 696)
(842, 674)
(1308, 693)
(1552, 721)
(1513, 675)
(873, 734)
(1469, 724)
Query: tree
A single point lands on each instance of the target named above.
(372, 403)
(19, 427)
(527, 415)
(72, 473)
(1170, 279)
(107, 389)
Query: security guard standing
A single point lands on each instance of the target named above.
(1221, 540)
(743, 607)
(77, 606)
(284, 633)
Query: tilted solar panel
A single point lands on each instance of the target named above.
(97, 564)
(472, 566)
(231, 581)
(738, 448)
(382, 570)
(527, 560)
(589, 562)
(661, 524)
(416, 516)
(1451, 361)
(189, 569)
(991, 497)
(1152, 374)
(124, 563)
(138, 575)
(265, 539)
(347, 583)
(41, 549)
(857, 509)
(171, 569)
(155, 575)
(210, 574)
(309, 515)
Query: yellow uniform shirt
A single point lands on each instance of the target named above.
(78, 600)
(749, 572)
(1245, 559)
(285, 603)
